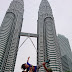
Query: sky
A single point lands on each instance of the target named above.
(62, 12)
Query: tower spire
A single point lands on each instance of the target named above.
(45, 7)
(17, 5)
(21, 1)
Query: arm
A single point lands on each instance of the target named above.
(45, 66)
(28, 62)
(40, 65)
(28, 59)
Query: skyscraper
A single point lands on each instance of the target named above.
(48, 47)
(10, 34)
(66, 54)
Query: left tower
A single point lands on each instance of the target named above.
(10, 34)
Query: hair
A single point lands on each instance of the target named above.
(23, 67)
(49, 70)
(22, 71)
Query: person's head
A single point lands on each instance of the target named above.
(49, 70)
(24, 66)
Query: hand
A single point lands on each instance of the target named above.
(28, 57)
(43, 63)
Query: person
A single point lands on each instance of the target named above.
(47, 69)
(30, 67)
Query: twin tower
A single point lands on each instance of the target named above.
(10, 31)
